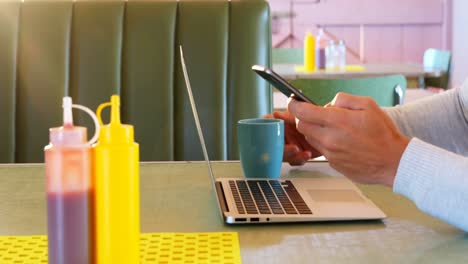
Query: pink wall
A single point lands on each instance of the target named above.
(379, 31)
(460, 40)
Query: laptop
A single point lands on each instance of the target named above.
(242, 201)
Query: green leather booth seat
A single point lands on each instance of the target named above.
(92, 49)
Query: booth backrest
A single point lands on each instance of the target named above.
(90, 50)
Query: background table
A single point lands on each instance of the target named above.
(289, 72)
(177, 197)
(414, 73)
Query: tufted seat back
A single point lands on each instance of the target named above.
(92, 49)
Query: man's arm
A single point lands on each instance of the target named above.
(433, 177)
(362, 142)
(441, 120)
(436, 180)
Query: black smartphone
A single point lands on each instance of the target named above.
(281, 84)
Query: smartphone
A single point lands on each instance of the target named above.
(281, 84)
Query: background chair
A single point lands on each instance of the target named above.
(384, 89)
(93, 49)
(287, 56)
(440, 60)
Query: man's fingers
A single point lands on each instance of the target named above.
(300, 158)
(353, 102)
(290, 149)
(308, 112)
(317, 136)
(295, 156)
(294, 137)
(284, 115)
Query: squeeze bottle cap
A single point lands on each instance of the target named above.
(68, 134)
(321, 33)
(115, 132)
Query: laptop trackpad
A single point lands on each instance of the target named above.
(335, 196)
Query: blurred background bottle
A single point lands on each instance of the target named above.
(69, 187)
(309, 52)
(320, 45)
(342, 57)
(335, 54)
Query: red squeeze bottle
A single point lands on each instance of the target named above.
(68, 167)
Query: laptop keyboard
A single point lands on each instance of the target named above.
(267, 197)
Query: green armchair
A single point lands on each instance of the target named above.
(92, 49)
(439, 60)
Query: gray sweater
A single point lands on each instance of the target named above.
(433, 171)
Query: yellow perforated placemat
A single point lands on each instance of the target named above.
(155, 248)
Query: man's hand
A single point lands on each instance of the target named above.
(355, 135)
(296, 149)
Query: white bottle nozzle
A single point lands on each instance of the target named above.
(95, 120)
(67, 105)
(67, 111)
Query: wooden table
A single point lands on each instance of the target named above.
(177, 197)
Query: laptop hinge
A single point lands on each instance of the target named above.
(221, 197)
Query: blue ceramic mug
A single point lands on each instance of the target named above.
(261, 144)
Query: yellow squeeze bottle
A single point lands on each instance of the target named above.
(309, 53)
(117, 195)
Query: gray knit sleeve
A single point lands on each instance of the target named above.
(435, 180)
(441, 119)
(430, 173)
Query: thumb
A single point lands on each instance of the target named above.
(352, 102)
